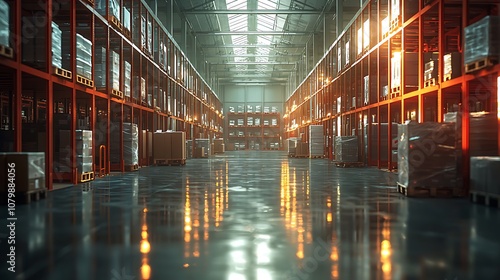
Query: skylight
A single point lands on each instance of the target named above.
(265, 23)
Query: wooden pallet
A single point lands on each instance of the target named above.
(301, 156)
(395, 23)
(84, 81)
(6, 51)
(447, 77)
(487, 199)
(62, 73)
(170, 162)
(146, 51)
(127, 33)
(117, 93)
(129, 168)
(480, 64)
(316, 156)
(115, 22)
(430, 191)
(86, 177)
(349, 164)
(430, 82)
(396, 89)
(33, 195)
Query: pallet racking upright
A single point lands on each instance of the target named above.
(408, 66)
(118, 65)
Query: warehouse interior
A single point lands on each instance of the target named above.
(250, 139)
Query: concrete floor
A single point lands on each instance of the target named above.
(251, 215)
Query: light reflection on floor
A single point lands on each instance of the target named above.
(253, 215)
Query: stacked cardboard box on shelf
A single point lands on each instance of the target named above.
(126, 19)
(139, 88)
(114, 71)
(316, 141)
(29, 170)
(83, 57)
(346, 149)
(127, 78)
(481, 41)
(56, 45)
(100, 67)
(130, 144)
(427, 155)
(452, 65)
(114, 7)
(4, 24)
(150, 36)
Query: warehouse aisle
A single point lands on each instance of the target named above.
(253, 215)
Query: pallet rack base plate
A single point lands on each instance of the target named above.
(430, 191)
(349, 164)
(487, 199)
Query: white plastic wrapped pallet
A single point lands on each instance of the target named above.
(4, 23)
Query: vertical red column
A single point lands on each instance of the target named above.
(465, 110)
(17, 120)
(49, 152)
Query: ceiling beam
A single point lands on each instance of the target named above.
(266, 33)
(255, 81)
(252, 12)
(252, 70)
(254, 77)
(290, 46)
(255, 63)
(253, 84)
(253, 55)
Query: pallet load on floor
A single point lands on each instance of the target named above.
(130, 146)
(218, 146)
(347, 152)
(428, 161)
(22, 174)
(302, 150)
(83, 147)
(169, 148)
(201, 148)
(484, 178)
(316, 141)
(291, 146)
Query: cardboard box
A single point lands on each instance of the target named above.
(159, 147)
(178, 147)
(29, 171)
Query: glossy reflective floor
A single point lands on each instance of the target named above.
(252, 215)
